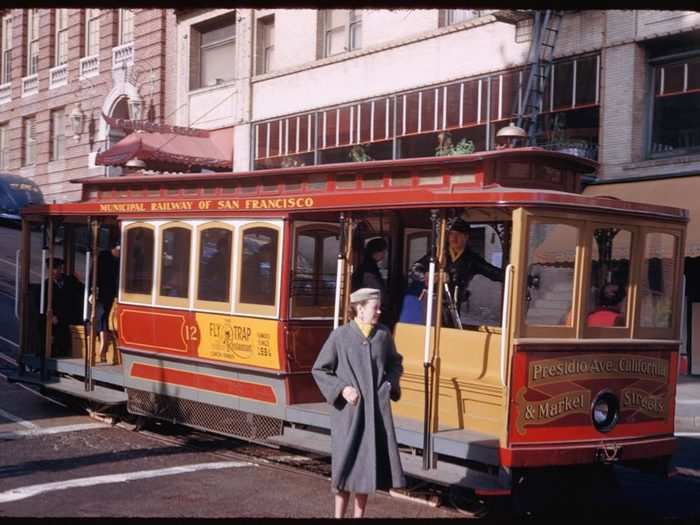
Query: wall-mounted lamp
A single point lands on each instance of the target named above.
(77, 121)
(135, 107)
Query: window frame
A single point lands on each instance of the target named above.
(352, 22)
(121, 40)
(621, 332)
(197, 48)
(300, 227)
(32, 64)
(6, 47)
(60, 15)
(251, 309)
(133, 297)
(449, 15)
(28, 141)
(92, 16)
(265, 25)
(58, 140)
(4, 146)
(525, 330)
(207, 305)
(165, 300)
(642, 332)
(653, 85)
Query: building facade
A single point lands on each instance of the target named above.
(305, 87)
(60, 70)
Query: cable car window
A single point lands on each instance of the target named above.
(175, 262)
(214, 265)
(551, 263)
(482, 304)
(656, 282)
(139, 261)
(313, 280)
(259, 266)
(609, 285)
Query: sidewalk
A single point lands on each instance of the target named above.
(688, 404)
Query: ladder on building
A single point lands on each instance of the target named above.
(545, 30)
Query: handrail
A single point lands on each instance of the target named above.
(336, 309)
(17, 254)
(43, 279)
(429, 313)
(505, 320)
(88, 254)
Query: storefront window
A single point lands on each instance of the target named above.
(676, 114)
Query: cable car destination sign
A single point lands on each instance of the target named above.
(281, 203)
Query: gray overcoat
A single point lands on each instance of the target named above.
(364, 455)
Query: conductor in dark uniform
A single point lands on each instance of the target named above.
(66, 305)
(462, 264)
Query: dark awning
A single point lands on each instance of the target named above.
(170, 148)
(15, 193)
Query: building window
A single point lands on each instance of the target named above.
(456, 16)
(58, 134)
(6, 72)
(28, 139)
(61, 44)
(32, 41)
(266, 44)
(213, 51)
(126, 26)
(92, 32)
(4, 147)
(341, 30)
(676, 108)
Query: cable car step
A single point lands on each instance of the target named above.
(71, 387)
(444, 474)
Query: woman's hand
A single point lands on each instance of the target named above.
(351, 395)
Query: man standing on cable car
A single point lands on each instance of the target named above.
(462, 264)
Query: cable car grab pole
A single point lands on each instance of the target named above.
(339, 271)
(426, 343)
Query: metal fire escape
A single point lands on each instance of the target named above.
(545, 30)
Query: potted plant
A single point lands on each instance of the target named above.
(446, 148)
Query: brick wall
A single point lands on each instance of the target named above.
(53, 176)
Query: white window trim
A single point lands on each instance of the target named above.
(88, 20)
(353, 19)
(6, 36)
(57, 38)
(32, 60)
(121, 40)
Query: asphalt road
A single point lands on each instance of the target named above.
(58, 463)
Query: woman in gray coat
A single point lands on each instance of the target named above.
(358, 371)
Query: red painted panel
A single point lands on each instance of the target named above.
(219, 385)
(555, 406)
(170, 331)
(541, 456)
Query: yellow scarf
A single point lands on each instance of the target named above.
(454, 255)
(365, 328)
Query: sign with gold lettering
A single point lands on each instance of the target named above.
(652, 405)
(551, 409)
(282, 203)
(596, 366)
(241, 340)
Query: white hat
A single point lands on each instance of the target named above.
(364, 294)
